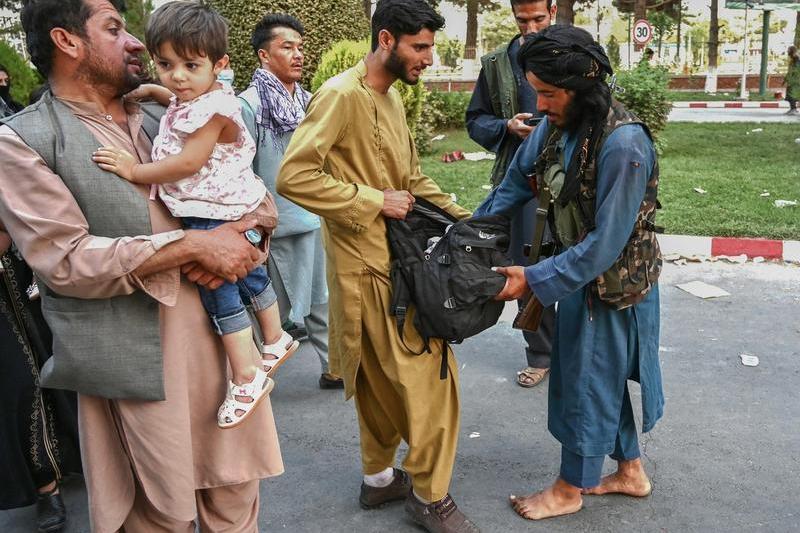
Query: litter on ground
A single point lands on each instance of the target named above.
(438, 137)
(478, 156)
(474, 435)
(698, 190)
(749, 360)
(785, 203)
(737, 259)
(703, 290)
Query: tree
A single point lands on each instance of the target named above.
(136, 14)
(473, 8)
(565, 13)
(498, 28)
(698, 33)
(713, 48)
(639, 9)
(326, 22)
(797, 31)
(449, 50)
(663, 26)
(23, 78)
(12, 5)
(613, 52)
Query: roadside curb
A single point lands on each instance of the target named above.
(730, 105)
(689, 245)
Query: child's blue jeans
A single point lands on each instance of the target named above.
(226, 304)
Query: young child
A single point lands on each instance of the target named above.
(202, 165)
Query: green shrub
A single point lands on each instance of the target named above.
(345, 54)
(449, 50)
(325, 21)
(646, 95)
(447, 109)
(24, 79)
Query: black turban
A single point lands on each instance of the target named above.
(565, 56)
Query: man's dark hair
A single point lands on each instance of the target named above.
(262, 33)
(404, 17)
(191, 28)
(39, 17)
(515, 3)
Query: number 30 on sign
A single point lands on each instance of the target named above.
(642, 32)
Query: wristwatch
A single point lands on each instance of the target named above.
(253, 236)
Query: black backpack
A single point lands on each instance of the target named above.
(450, 284)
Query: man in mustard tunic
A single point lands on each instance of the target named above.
(353, 162)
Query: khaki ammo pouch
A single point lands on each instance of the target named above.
(637, 268)
(634, 272)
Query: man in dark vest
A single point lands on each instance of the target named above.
(501, 114)
(593, 163)
(129, 332)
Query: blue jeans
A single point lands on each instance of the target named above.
(226, 304)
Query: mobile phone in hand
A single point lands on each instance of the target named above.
(533, 121)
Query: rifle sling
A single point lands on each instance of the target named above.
(542, 211)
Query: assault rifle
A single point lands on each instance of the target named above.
(530, 315)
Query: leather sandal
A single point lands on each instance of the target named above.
(283, 349)
(233, 412)
(530, 376)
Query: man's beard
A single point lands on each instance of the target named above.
(573, 116)
(397, 67)
(97, 72)
(5, 91)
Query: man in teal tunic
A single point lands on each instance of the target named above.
(593, 155)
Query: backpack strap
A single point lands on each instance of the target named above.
(443, 369)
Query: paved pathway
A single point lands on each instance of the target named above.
(733, 115)
(724, 458)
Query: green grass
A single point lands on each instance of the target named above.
(700, 96)
(734, 167)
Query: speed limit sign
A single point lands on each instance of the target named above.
(642, 32)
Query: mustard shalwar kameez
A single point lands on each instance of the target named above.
(353, 144)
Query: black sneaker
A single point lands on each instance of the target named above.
(50, 513)
(439, 517)
(398, 489)
(329, 381)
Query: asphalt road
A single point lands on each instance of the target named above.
(725, 457)
(733, 115)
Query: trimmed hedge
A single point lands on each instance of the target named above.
(24, 79)
(325, 21)
(448, 109)
(344, 54)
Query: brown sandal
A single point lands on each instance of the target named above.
(529, 376)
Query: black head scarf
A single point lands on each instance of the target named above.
(569, 58)
(565, 56)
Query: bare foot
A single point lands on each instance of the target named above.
(559, 499)
(629, 479)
